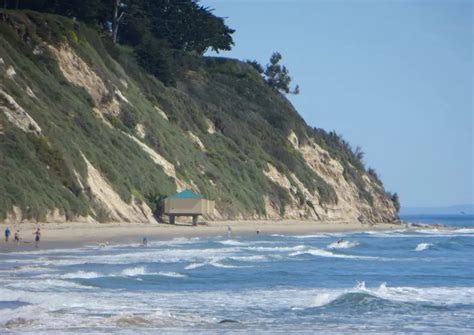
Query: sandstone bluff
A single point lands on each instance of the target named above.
(87, 135)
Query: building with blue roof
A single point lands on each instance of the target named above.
(187, 203)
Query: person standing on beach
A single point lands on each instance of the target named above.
(7, 234)
(229, 231)
(37, 237)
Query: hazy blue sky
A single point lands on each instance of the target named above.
(394, 77)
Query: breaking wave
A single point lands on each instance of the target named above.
(136, 271)
(361, 295)
(423, 246)
(215, 263)
(325, 253)
(172, 274)
(81, 275)
(343, 244)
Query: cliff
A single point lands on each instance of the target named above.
(87, 134)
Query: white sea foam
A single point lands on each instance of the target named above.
(325, 253)
(27, 268)
(194, 266)
(343, 244)
(415, 233)
(323, 299)
(134, 256)
(434, 295)
(81, 275)
(423, 246)
(310, 236)
(277, 249)
(232, 242)
(447, 232)
(253, 258)
(215, 262)
(465, 231)
(50, 251)
(136, 271)
(37, 285)
(172, 274)
(225, 266)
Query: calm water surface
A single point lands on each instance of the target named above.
(373, 282)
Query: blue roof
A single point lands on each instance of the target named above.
(187, 193)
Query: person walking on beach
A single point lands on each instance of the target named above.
(229, 231)
(17, 237)
(7, 234)
(37, 234)
(145, 242)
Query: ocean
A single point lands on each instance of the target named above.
(400, 281)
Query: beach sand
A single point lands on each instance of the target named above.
(73, 234)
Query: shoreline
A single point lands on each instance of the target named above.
(70, 234)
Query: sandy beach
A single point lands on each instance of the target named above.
(61, 235)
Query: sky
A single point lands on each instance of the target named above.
(394, 77)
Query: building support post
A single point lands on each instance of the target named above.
(195, 220)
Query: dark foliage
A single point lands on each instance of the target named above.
(256, 65)
(275, 75)
(278, 77)
(396, 201)
(155, 56)
(339, 148)
(374, 175)
(184, 25)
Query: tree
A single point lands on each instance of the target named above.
(359, 154)
(278, 77)
(396, 201)
(117, 18)
(90, 11)
(184, 24)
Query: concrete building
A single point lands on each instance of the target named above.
(187, 203)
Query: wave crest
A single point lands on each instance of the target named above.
(325, 253)
(136, 271)
(343, 244)
(423, 246)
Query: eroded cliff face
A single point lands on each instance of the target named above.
(85, 136)
(349, 207)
